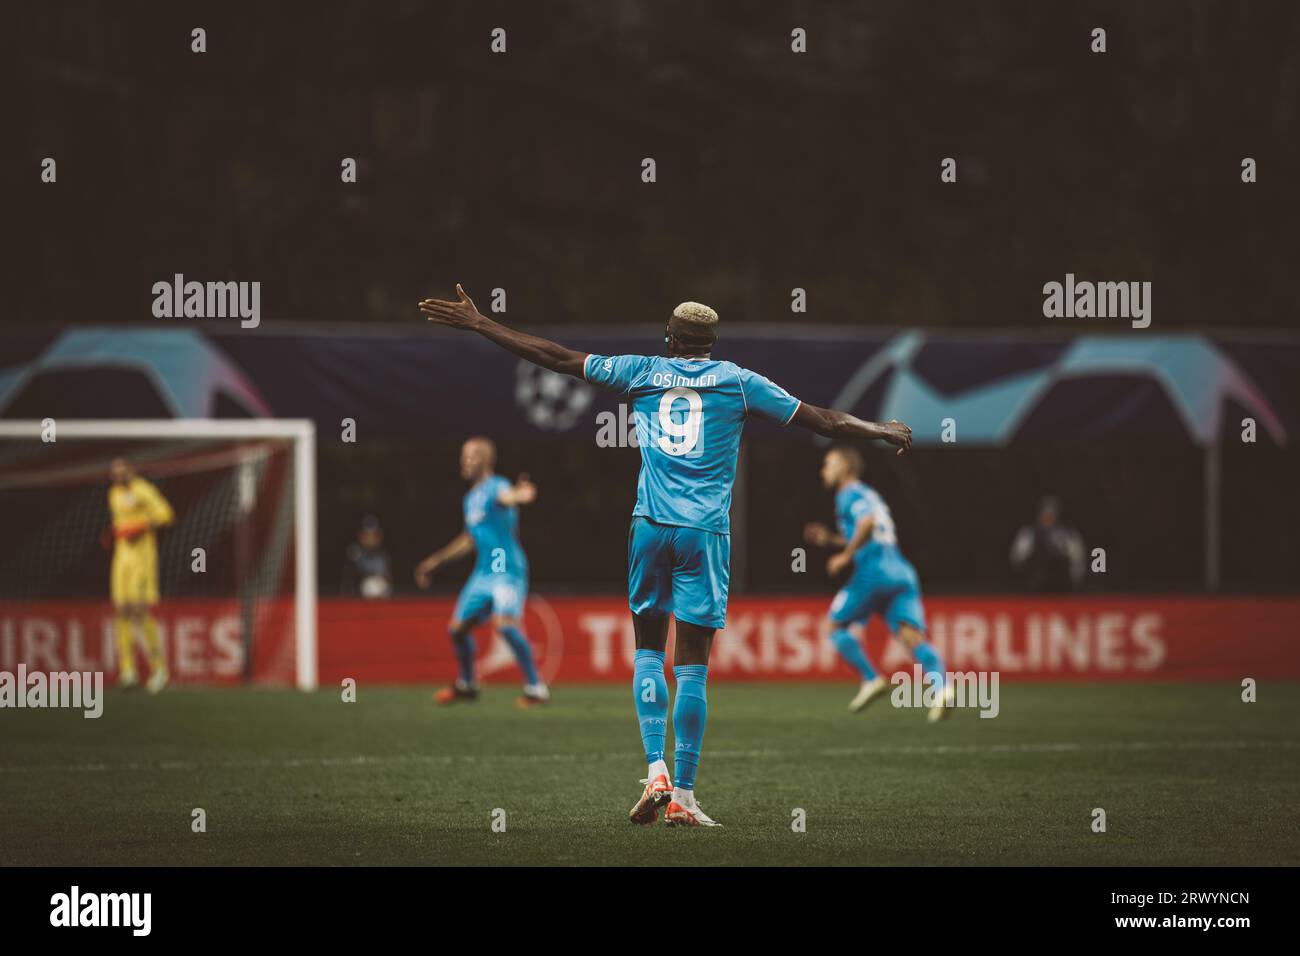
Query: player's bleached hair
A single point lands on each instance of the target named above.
(696, 313)
(694, 324)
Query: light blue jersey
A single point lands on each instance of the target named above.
(689, 415)
(855, 501)
(495, 529)
(498, 585)
(883, 581)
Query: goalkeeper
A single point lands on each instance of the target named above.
(136, 508)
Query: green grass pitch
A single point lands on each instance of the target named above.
(1187, 774)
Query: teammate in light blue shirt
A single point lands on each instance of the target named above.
(689, 411)
(881, 581)
(498, 585)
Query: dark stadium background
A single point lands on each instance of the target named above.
(1149, 722)
(523, 174)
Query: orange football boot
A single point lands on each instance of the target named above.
(455, 693)
(679, 816)
(657, 792)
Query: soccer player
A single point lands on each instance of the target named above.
(882, 581)
(689, 410)
(137, 509)
(498, 585)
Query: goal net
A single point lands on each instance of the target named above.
(236, 568)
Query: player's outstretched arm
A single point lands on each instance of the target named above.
(837, 424)
(532, 348)
(460, 546)
(522, 492)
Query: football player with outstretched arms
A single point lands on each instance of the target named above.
(690, 410)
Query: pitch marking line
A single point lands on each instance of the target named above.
(291, 763)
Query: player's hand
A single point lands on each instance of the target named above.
(525, 492)
(817, 534)
(457, 315)
(838, 562)
(422, 572)
(896, 433)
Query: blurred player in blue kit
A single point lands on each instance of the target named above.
(498, 585)
(690, 410)
(881, 581)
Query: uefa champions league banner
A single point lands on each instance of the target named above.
(421, 382)
(589, 639)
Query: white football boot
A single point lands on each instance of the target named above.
(945, 706)
(869, 691)
(683, 811)
(157, 680)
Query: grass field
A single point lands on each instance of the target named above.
(1187, 774)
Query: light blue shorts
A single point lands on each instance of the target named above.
(498, 595)
(894, 594)
(679, 571)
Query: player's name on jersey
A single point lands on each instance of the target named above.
(667, 380)
(179, 299)
(82, 690)
(1100, 300)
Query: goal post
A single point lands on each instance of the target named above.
(220, 453)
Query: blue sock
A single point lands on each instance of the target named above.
(523, 652)
(463, 642)
(928, 658)
(690, 712)
(851, 650)
(650, 694)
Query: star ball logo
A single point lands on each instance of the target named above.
(549, 400)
